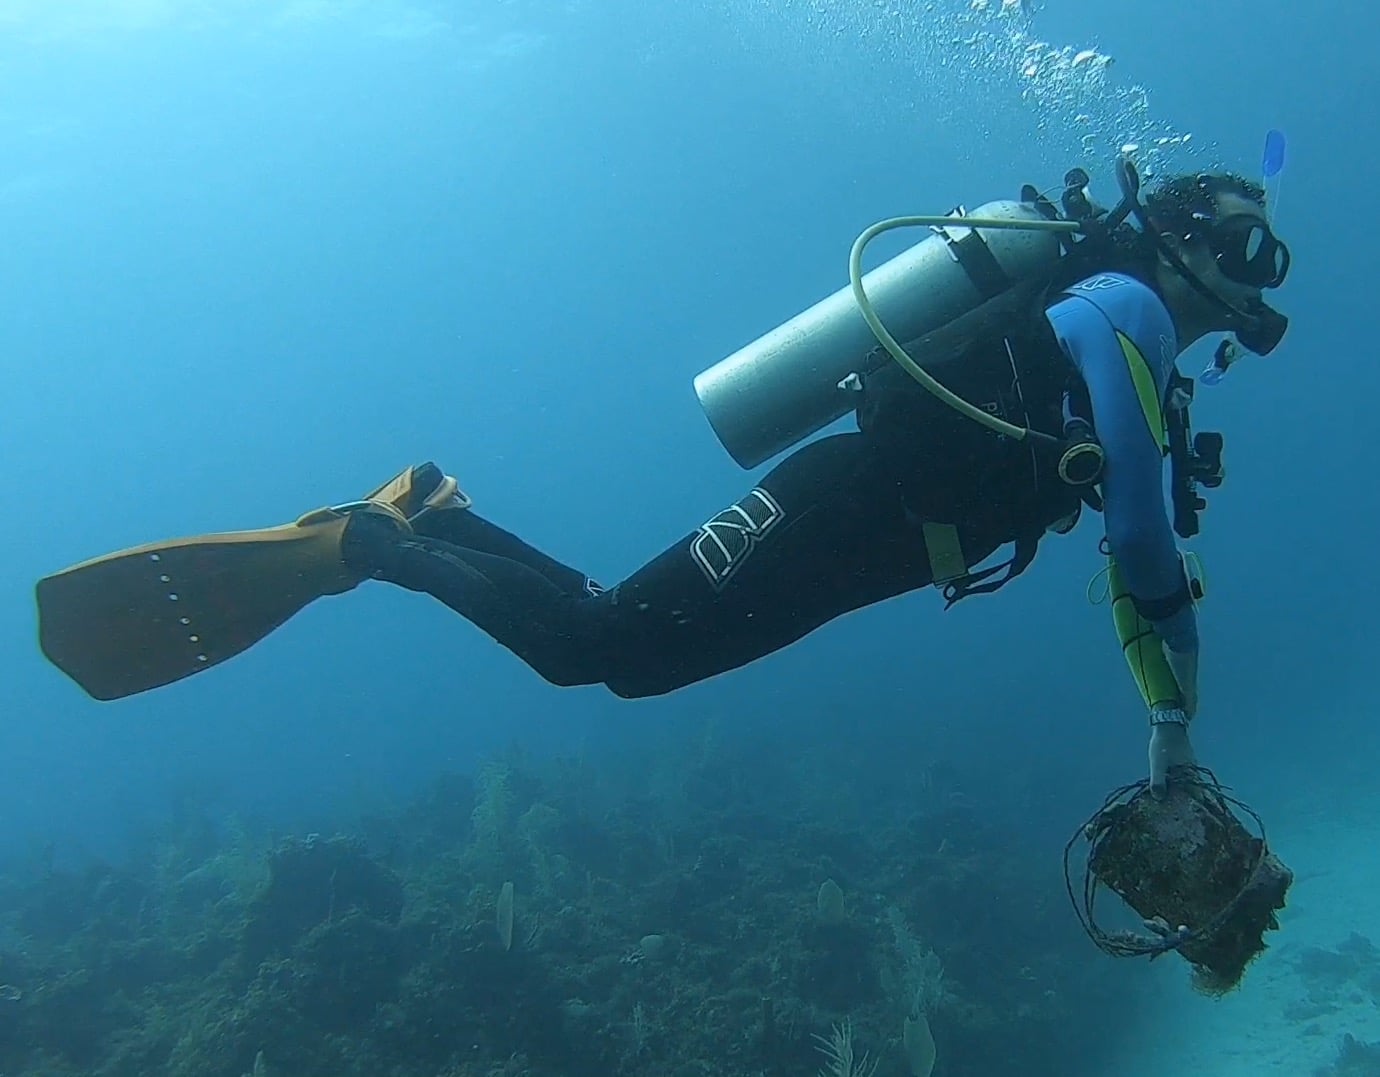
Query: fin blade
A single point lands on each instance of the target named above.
(144, 617)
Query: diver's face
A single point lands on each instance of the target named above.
(1238, 255)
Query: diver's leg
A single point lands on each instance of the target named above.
(554, 629)
(471, 531)
(437, 508)
(824, 533)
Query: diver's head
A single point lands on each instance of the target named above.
(1217, 255)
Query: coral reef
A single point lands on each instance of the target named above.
(678, 924)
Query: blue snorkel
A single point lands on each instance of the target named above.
(1228, 351)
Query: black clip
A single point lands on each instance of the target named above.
(1195, 459)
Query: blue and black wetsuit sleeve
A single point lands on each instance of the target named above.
(1121, 339)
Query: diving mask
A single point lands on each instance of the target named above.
(1247, 252)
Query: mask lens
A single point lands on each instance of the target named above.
(1255, 239)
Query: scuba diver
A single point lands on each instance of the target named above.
(1038, 377)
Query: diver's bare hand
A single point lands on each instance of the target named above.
(1169, 746)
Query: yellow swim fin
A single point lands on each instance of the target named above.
(144, 617)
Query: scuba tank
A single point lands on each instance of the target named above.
(799, 377)
(804, 374)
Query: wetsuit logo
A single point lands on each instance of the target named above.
(1100, 283)
(722, 545)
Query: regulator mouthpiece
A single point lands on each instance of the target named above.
(1263, 329)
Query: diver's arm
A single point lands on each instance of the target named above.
(1113, 336)
(1121, 338)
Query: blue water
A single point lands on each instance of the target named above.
(256, 259)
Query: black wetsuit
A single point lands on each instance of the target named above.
(827, 531)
